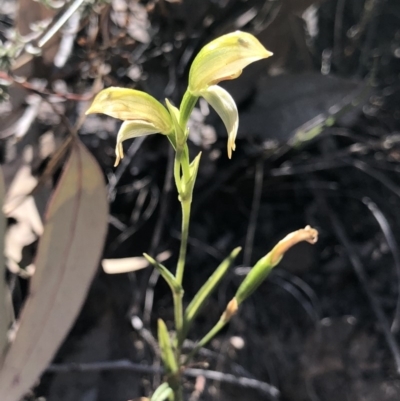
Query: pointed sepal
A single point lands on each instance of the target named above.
(224, 58)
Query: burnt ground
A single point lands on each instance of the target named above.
(325, 325)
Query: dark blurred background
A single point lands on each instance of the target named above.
(318, 144)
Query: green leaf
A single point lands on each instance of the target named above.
(207, 289)
(162, 392)
(254, 278)
(66, 261)
(166, 274)
(167, 353)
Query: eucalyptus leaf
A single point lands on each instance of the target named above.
(67, 258)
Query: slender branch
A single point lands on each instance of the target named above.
(266, 388)
(60, 22)
(359, 270)
(124, 364)
(54, 28)
(255, 208)
(31, 87)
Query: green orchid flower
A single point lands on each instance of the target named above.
(142, 114)
(223, 59)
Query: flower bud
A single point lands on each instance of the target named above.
(264, 266)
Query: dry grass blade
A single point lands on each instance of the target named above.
(67, 258)
(4, 309)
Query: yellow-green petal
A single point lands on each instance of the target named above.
(132, 129)
(224, 58)
(222, 102)
(131, 104)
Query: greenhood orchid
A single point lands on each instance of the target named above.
(223, 59)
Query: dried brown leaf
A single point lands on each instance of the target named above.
(126, 265)
(28, 226)
(66, 261)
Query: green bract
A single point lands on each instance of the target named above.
(222, 59)
(142, 114)
(264, 266)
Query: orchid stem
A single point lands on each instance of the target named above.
(185, 203)
(182, 178)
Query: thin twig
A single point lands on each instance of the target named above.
(51, 31)
(263, 387)
(292, 286)
(388, 183)
(123, 364)
(394, 248)
(255, 207)
(338, 33)
(382, 178)
(307, 168)
(60, 153)
(362, 277)
(381, 220)
(30, 87)
(369, 23)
